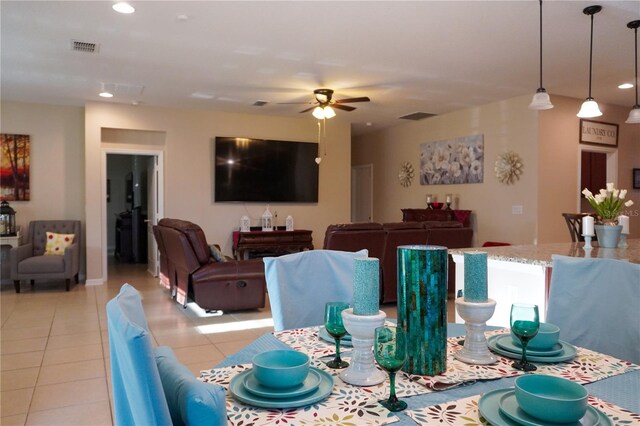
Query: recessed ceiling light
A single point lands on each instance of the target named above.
(625, 86)
(106, 94)
(123, 7)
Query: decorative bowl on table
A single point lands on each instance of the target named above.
(551, 399)
(547, 337)
(436, 205)
(281, 368)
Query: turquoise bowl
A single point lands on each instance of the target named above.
(551, 399)
(547, 337)
(281, 369)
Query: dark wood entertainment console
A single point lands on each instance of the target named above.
(259, 243)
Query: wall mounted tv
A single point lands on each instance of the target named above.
(259, 170)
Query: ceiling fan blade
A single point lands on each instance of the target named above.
(307, 110)
(350, 100)
(343, 107)
(295, 103)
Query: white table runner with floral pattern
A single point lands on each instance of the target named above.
(586, 367)
(465, 412)
(345, 406)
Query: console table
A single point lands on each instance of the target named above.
(271, 242)
(422, 215)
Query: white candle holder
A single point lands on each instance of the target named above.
(475, 315)
(623, 241)
(362, 369)
(587, 242)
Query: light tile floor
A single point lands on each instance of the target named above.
(54, 351)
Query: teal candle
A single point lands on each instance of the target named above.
(475, 277)
(366, 286)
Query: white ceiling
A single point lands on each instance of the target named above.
(429, 56)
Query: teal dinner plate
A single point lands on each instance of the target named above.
(568, 352)
(239, 392)
(510, 408)
(324, 335)
(311, 383)
(490, 409)
(505, 342)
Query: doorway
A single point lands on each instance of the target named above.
(362, 193)
(134, 203)
(597, 167)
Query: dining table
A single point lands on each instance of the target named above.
(450, 398)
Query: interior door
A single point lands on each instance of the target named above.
(362, 193)
(152, 214)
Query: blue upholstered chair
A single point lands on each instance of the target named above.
(153, 388)
(595, 303)
(300, 284)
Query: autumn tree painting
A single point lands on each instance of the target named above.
(14, 167)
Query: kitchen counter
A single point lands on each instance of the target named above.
(541, 254)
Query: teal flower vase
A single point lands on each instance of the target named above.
(608, 235)
(422, 307)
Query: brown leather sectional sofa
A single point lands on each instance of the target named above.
(190, 271)
(383, 239)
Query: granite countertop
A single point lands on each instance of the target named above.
(541, 254)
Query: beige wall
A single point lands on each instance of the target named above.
(57, 160)
(188, 169)
(558, 170)
(506, 125)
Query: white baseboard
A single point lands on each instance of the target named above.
(94, 281)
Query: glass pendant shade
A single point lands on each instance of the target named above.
(318, 113)
(329, 112)
(589, 109)
(323, 112)
(541, 100)
(634, 115)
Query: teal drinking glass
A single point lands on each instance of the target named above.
(335, 327)
(391, 354)
(525, 323)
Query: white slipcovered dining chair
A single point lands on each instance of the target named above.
(595, 303)
(300, 284)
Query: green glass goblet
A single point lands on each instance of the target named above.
(390, 349)
(525, 323)
(335, 327)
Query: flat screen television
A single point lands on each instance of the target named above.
(260, 170)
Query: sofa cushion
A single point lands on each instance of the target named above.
(216, 254)
(41, 265)
(191, 402)
(56, 243)
(402, 225)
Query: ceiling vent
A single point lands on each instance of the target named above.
(415, 116)
(84, 46)
(260, 103)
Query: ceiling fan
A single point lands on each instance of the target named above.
(325, 104)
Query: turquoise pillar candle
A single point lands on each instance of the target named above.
(475, 277)
(366, 286)
(422, 307)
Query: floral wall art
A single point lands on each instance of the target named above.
(453, 161)
(14, 167)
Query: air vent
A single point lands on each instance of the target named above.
(84, 46)
(415, 116)
(260, 103)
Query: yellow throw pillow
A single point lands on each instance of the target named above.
(56, 243)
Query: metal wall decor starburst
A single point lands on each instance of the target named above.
(508, 167)
(405, 174)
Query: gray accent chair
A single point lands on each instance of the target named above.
(28, 261)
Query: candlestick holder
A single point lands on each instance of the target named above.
(623, 241)
(362, 370)
(587, 242)
(475, 315)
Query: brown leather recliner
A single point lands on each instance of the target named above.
(229, 286)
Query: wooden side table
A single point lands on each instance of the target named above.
(273, 242)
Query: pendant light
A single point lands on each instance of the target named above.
(634, 114)
(590, 107)
(541, 98)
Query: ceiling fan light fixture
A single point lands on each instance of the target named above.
(318, 113)
(541, 100)
(589, 109)
(329, 112)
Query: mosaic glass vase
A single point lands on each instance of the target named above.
(422, 307)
